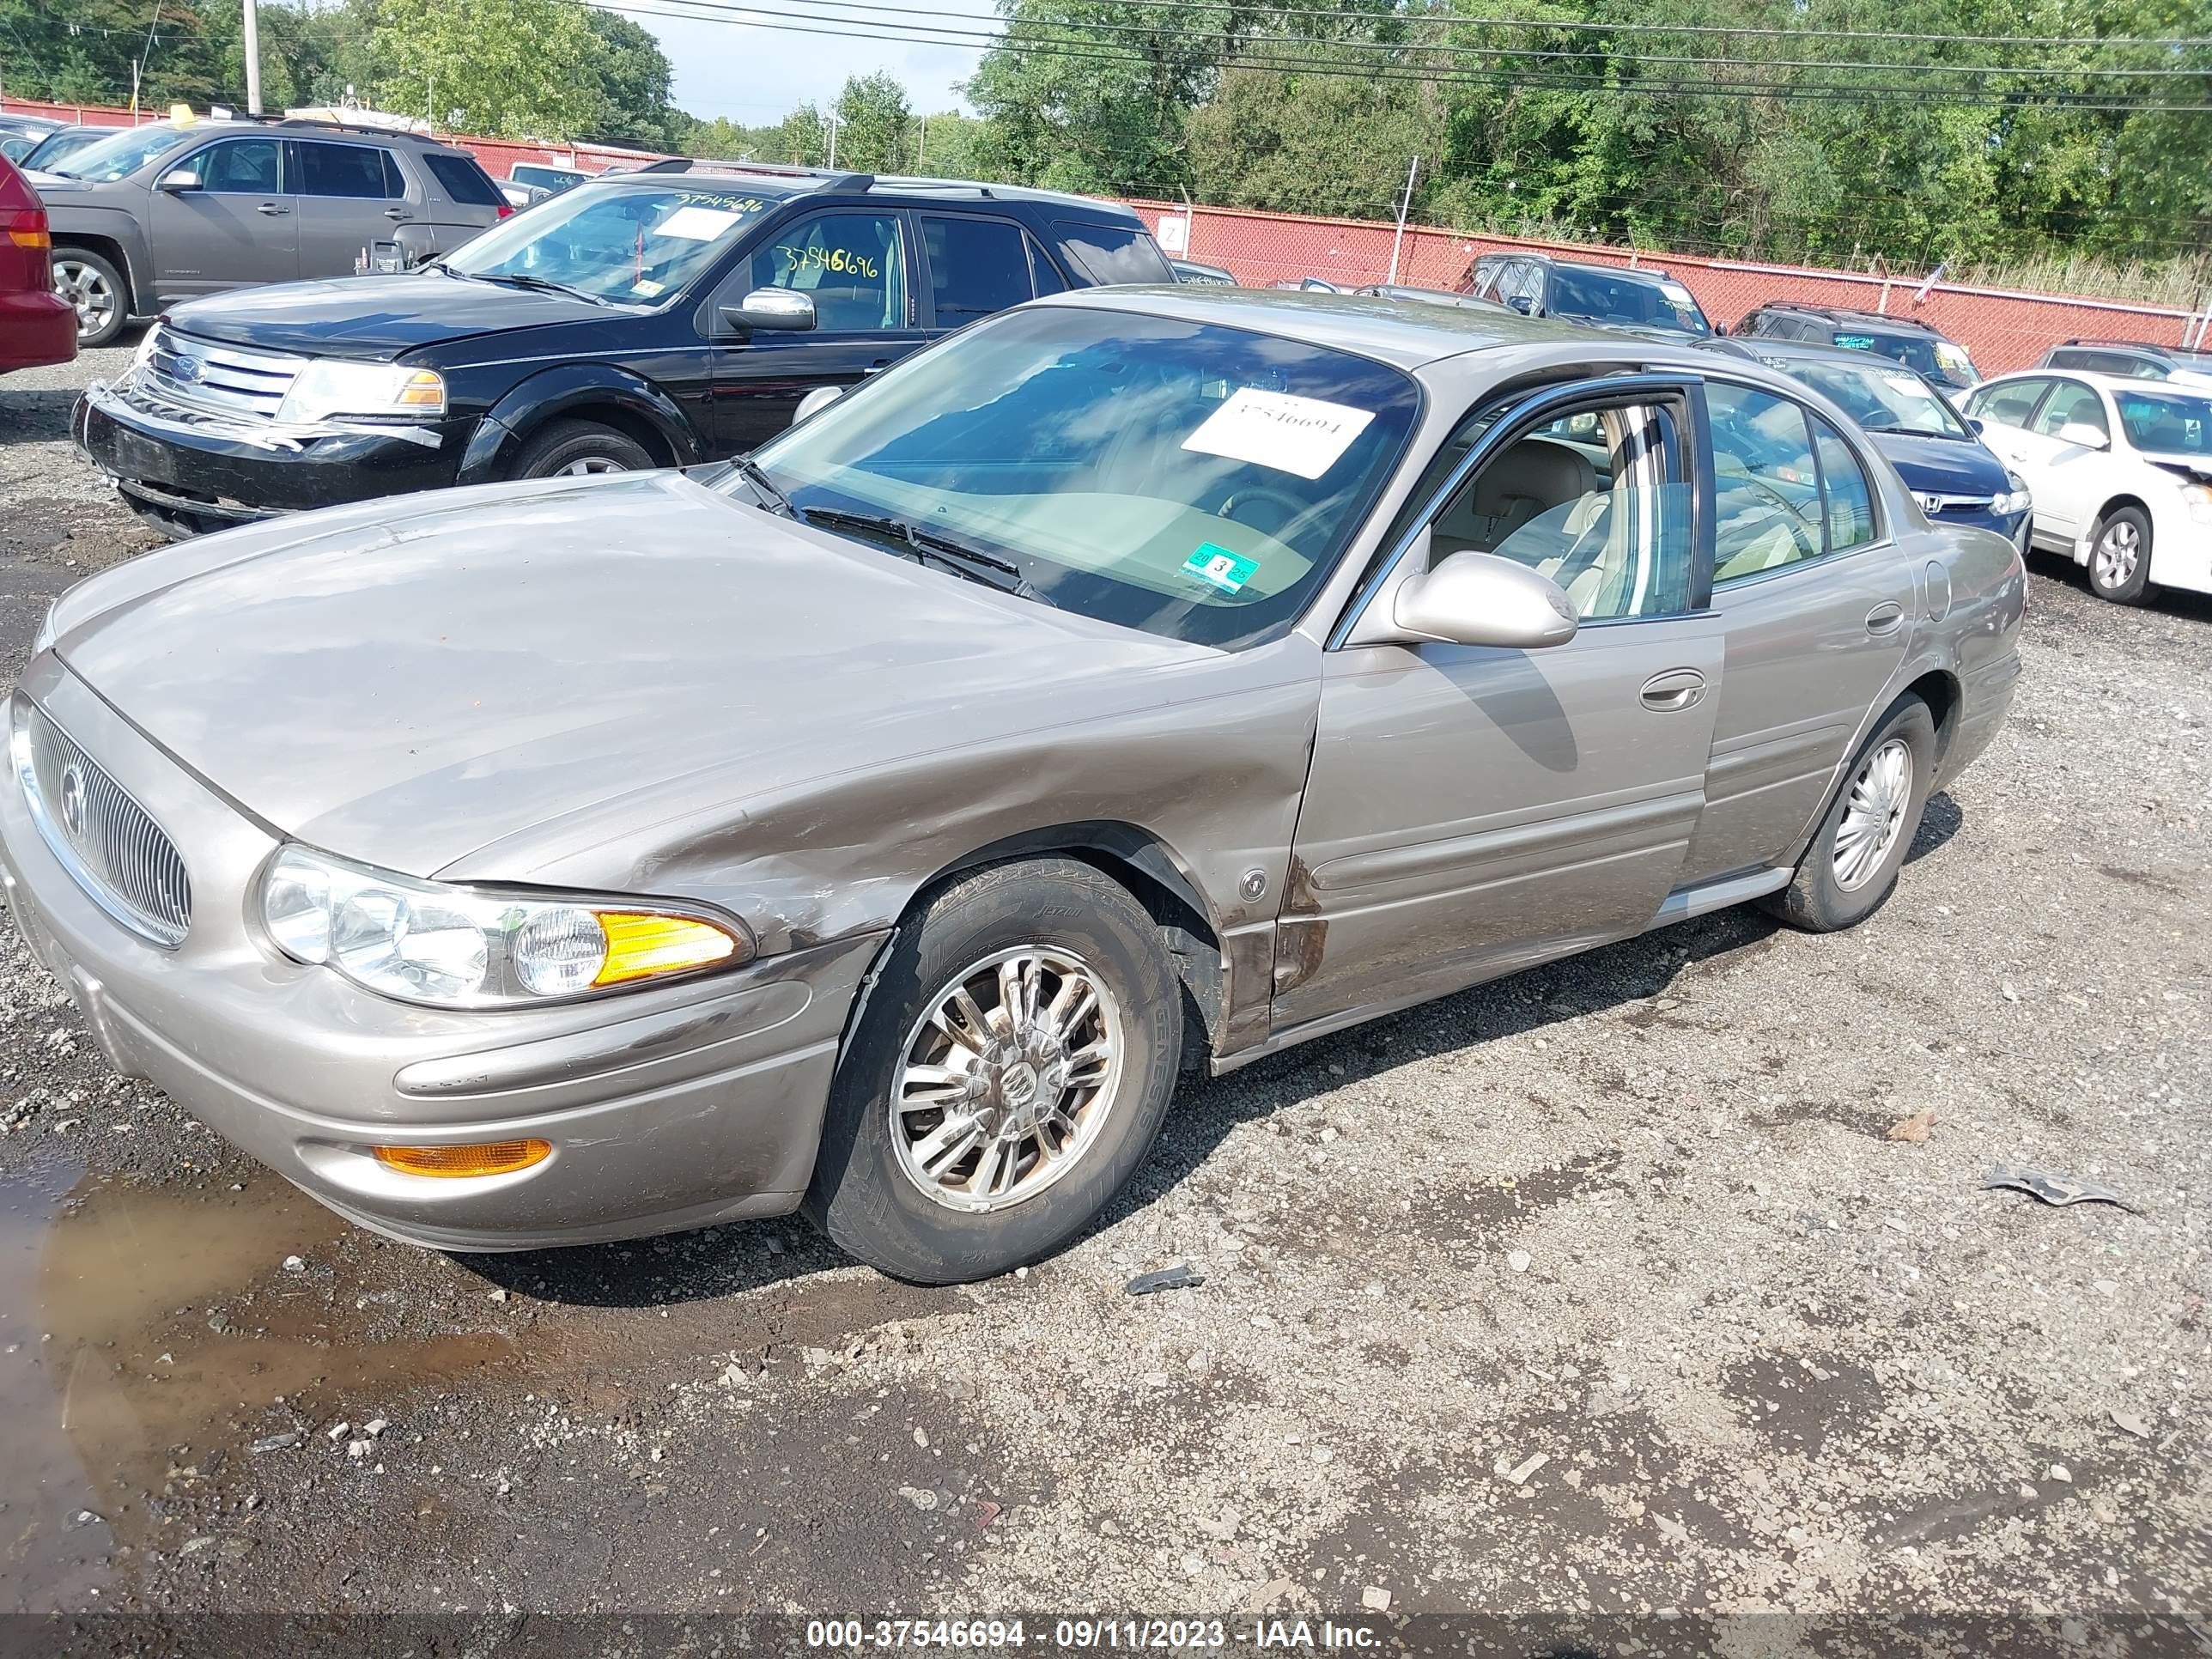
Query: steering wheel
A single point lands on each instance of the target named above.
(1285, 508)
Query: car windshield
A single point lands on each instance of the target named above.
(1631, 301)
(1193, 481)
(2165, 422)
(628, 244)
(122, 153)
(56, 147)
(1880, 397)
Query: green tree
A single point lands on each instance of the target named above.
(874, 126)
(633, 76)
(515, 68)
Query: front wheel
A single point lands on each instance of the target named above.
(1008, 1073)
(578, 449)
(1850, 869)
(2119, 556)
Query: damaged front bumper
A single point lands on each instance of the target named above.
(192, 469)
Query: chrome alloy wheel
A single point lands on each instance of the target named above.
(1874, 813)
(586, 467)
(1007, 1080)
(88, 292)
(2113, 561)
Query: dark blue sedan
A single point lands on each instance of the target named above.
(1955, 478)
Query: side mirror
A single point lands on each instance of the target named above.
(815, 402)
(1523, 304)
(773, 309)
(1479, 599)
(2082, 434)
(178, 179)
(1977, 425)
(1720, 330)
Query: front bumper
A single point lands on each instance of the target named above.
(191, 470)
(666, 1109)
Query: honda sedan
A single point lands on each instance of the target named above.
(1143, 680)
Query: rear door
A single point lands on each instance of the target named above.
(1818, 601)
(239, 226)
(2071, 490)
(974, 265)
(857, 266)
(353, 208)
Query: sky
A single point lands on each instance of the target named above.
(758, 76)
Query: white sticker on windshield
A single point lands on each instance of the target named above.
(1904, 383)
(1278, 429)
(1677, 293)
(696, 224)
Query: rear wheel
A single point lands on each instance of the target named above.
(579, 449)
(2119, 556)
(1850, 869)
(96, 290)
(1011, 1065)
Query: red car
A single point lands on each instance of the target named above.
(37, 325)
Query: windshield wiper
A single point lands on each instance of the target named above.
(751, 471)
(1908, 431)
(542, 284)
(928, 546)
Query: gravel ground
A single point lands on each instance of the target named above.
(1600, 1289)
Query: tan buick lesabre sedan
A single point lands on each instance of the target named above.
(1140, 679)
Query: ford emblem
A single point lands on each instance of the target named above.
(187, 372)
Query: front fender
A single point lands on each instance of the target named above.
(555, 392)
(106, 224)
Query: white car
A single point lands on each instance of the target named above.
(2120, 468)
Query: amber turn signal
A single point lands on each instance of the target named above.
(639, 946)
(489, 1157)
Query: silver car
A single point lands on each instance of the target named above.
(1141, 680)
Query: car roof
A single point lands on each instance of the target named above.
(791, 181)
(332, 131)
(2095, 377)
(1758, 345)
(1405, 336)
(1876, 319)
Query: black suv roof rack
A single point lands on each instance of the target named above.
(367, 128)
(1854, 313)
(829, 179)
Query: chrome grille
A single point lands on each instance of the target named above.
(227, 378)
(109, 842)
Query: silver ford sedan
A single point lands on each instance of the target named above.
(1141, 680)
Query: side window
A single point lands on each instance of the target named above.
(2009, 405)
(1850, 496)
(1042, 272)
(2072, 404)
(243, 167)
(463, 180)
(1597, 501)
(348, 170)
(1485, 280)
(1766, 488)
(853, 266)
(976, 266)
(1111, 253)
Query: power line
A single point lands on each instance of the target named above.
(948, 35)
(1578, 55)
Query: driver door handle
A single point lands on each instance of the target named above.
(1678, 687)
(273, 210)
(398, 213)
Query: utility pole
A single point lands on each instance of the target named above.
(922, 145)
(832, 118)
(1404, 207)
(252, 58)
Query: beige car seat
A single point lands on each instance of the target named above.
(1533, 478)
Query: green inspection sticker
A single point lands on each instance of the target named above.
(1217, 567)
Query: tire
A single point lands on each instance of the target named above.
(1829, 891)
(2119, 556)
(884, 1191)
(91, 282)
(579, 446)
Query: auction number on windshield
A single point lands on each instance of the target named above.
(845, 260)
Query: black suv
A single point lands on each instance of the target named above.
(659, 318)
(1640, 297)
(1906, 340)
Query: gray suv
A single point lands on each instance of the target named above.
(171, 211)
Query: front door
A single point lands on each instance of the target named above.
(1473, 811)
(855, 265)
(241, 225)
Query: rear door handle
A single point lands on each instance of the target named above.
(398, 213)
(1884, 618)
(1678, 687)
(272, 209)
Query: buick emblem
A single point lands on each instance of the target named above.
(72, 800)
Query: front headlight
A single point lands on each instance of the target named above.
(326, 388)
(2199, 497)
(144, 354)
(2015, 498)
(458, 947)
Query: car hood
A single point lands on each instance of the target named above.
(372, 318)
(407, 682)
(2190, 466)
(1943, 466)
